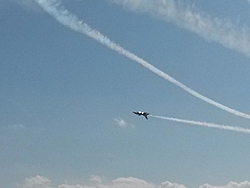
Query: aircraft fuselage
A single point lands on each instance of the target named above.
(140, 113)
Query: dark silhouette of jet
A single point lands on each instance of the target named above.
(139, 113)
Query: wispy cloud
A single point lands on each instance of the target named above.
(36, 182)
(96, 179)
(212, 29)
(121, 182)
(245, 184)
(122, 123)
(15, 127)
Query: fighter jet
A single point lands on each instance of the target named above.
(139, 113)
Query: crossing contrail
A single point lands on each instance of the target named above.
(205, 124)
(63, 16)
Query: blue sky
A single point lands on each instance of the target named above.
(67, 100)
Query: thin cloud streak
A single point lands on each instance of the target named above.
(211, 29)
(205, 124)
(16, 126)
(63, 16)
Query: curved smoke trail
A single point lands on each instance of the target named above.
(205, 124)
(63, 16)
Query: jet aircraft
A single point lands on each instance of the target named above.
(139, 113)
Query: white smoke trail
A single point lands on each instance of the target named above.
(205, 124)
(63, 16)
(211, 29)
